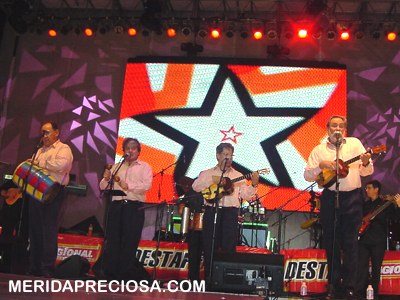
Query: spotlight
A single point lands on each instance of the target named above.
(202, 33)
(171, 32)
(65, 29)
(89, 32)
(302, 33)
(215, 33)
(272, 34)
(345, 35)
(359, 34)
(52, 32)
(391, 36)
(229, 34)
(186, 30)
(132, 31)
(244, 34)
(376, 34)
(119, 29)
(331, 35)
(289, 35)
(257, 34)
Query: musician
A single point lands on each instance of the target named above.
(342, 274)
(125, 215)
(226, 232)
(194, 202)
(372, 243)
(55, 158)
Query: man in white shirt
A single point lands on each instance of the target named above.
(226, 232)
(342, 270)
(125, 217)
(55, 158)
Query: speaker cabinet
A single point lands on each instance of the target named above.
(248, 273)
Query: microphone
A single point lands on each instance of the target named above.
(126, 155)
(338, 136)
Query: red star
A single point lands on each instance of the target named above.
(230, 134)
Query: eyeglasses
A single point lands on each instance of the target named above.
(46, 132)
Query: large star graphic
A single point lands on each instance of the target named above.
(197, 130)
(230, 134)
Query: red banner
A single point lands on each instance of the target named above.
(301, 265)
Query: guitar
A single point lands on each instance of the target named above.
(210, 193)
(369, 217)
(12, 195)
(327, 177)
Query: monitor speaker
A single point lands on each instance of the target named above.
(248, 273)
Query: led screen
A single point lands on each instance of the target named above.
(181, 109)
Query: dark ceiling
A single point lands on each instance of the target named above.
(31, 12)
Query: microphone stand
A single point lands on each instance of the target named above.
(160, 217)
(109, 190)
(337, 206)
(216, 208)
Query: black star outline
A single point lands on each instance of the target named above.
(190, 145)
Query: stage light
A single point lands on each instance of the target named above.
(186, 30)
(202, 33)
(302, 33)
(52, 32)
(118, 29)
(171, 32)
(244, 34)
(215, 33)
(391, 36)
(88, 31)
(272, 34)
(331, 35)
(132, 31)
(359, 34)
(288, 35)
(345, 35)
(258, 35)
(317, 34)
(375, 34)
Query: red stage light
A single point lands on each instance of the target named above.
(344, 35)
(391, 36)
(257, 34)
(52, 32)
(171, 32)
(88, 31)
(215, 33)
(132, 31)
(302, 33)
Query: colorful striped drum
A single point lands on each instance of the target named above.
(40, 185)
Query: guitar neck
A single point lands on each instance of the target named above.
(354, 159)
(246, 176)
(377, 211)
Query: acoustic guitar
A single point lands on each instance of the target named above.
(368, 218)
(210, 193)
(327, 177)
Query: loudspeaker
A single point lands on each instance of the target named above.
(73, 267)
(247, 273)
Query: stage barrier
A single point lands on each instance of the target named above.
(300, 265)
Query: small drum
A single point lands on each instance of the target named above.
(196, 221)
(39, 184)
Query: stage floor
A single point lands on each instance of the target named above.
(80, 293)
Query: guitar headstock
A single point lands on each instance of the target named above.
(378, 149)
(263, 171)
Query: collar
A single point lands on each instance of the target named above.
(52, 145)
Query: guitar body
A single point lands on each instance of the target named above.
(327, 177)
(364, 225)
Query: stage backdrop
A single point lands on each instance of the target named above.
(79, 83)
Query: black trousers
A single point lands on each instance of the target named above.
(195, 249)
(365, 253)
(43, 234)
(124, 228)
(226, 232)
(342, 260)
